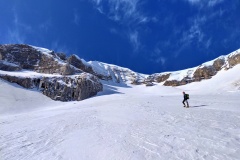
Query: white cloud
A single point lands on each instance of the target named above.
(208, 43)
(56, 46)
(16, 32)
(195, 32)
(134, 40)
(76, 18)
(157, 57)
(127, 13)
(121, 10)
(14, 36)
(194, 1)
(161, 60)
(212, 3)
(45, 25)
(202, 3)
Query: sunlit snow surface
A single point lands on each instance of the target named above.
(124, 122)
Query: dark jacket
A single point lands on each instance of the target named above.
(185, 97)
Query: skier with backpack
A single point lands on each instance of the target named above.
(185, 98)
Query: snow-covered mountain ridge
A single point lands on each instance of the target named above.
(204, 71)
(36, 64)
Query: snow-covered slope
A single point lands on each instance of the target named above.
(16, 99)
(118, 74)
(125, 122)
(224, 81)
(206, 70)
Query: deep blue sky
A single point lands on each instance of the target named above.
(147, 36)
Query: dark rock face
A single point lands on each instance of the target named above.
(71, 89)
(61, 88)
(27, 57)
(62, 56)
(171, 83)
(136, 82)
(22, 81)
(218, 64)
(76, 62)
(205, 72)
(67, 70)
(162, 78)
(149, 84)
(5, 66)
(184, 81)
(19, 54)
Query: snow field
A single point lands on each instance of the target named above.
(124, 122)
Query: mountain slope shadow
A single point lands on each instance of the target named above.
(108, 89)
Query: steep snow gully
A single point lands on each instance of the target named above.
(125, 122)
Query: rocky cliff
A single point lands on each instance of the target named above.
(58, 80)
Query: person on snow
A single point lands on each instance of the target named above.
(185, 98)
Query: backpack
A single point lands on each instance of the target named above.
(187, 96)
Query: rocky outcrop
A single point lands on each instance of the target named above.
(205, 72)
(29, 58)
(61, 88)
(78, 63)
(184, 81)
(219, 63)
(19, 54)
(234, 59)
(25, 82)
(161, 78)
(71, 89)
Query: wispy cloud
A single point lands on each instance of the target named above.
(14, 36)
(204, 3)
(121, 10)
(76, 18)
(195, 32)
(212, 3)
(157, 57)
(46, 25)
(16, 32)
(127, 13)
(58, 47)
(134, 40)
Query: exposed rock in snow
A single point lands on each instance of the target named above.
(68, 88)
(61, 88)
(204, 71)
(34, 58)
